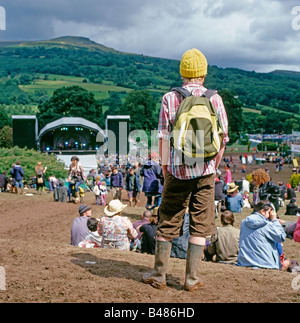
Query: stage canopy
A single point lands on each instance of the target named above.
(70, 133)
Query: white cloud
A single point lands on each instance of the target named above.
(249, 34)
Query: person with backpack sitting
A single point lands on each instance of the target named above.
(188, 179)
(40, 177)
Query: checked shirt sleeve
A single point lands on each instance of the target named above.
(164, 123)
(219, 105)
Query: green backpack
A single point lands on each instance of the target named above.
(197, 132)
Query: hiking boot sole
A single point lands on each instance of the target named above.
(193, 288)
(154, 283)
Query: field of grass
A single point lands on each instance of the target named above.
(53, 82)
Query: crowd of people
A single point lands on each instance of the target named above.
(183, 200)
(188, 202)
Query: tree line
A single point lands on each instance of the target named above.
(148, 78)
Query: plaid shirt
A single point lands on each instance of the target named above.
(169, 107)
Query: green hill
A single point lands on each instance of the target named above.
(81, 57)
(67, 42)
(31, 71)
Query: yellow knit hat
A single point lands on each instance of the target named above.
(193, 64)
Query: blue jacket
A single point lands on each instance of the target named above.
(116, 179)
(18, 173)
(234, 203)
(153, 178)
(258, 242)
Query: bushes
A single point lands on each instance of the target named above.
(28, 159)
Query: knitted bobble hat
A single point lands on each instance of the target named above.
(193, 64)
(83, 208)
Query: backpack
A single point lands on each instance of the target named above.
(40, 179)
(197, 131)
(96, 190)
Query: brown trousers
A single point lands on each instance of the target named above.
(196, 194)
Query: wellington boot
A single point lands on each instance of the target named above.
(77, 198)
(157, 278)
(193, 259)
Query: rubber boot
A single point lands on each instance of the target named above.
(193, 259)
(157, 278)
(77, 198)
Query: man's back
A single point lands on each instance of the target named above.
(79, 230)
(170, 104)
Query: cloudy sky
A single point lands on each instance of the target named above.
(260, 35)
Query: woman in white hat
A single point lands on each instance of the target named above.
(115, 229)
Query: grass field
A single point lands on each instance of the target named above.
(54, 82)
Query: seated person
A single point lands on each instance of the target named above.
(115, 229)
(297, 231)
(93, 239)
(267, 190)
(260, 234)
(290, 192)
(135, 245)
(289, 227)
(225, 243)
(60, 192)
(79, 228)
(148, 234)
(246, 200)
(234, 199)
(292, 208)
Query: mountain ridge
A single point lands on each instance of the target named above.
(63, 42)
(81, 42)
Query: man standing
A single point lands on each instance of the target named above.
(18, 174)
(185, 185)
(116, 183)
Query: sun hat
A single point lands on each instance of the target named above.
(193, 64)
(232, 188)
(114, 207)
(83, 208)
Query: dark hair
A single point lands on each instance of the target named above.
(263, 205)
(75, 158)
(92, 224)
(227, 217)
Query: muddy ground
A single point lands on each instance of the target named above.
(42, 266)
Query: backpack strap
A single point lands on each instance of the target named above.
(182, 91)
(209, 93)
